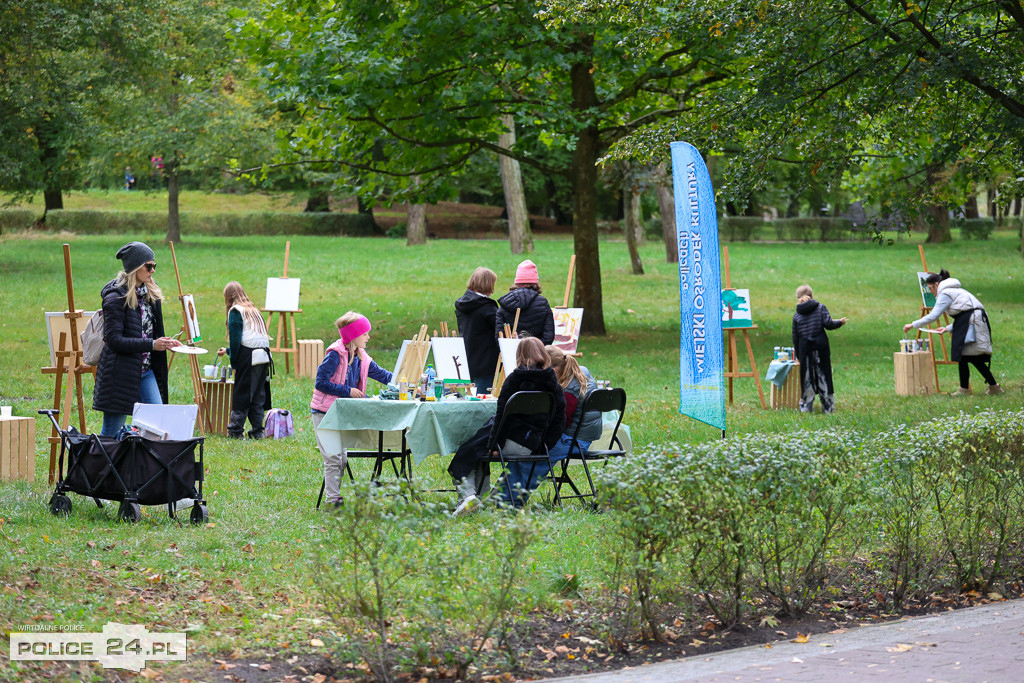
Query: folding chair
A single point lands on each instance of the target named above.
(523, 403)
(602, 400)
(379, 456)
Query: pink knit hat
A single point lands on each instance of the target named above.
(526, 273)
(356, 328)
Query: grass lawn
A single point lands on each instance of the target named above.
(245, 583)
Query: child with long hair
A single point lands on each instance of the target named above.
(248, 350)
(475, 311)
(470, 468)
(577, 383)
(342, 374)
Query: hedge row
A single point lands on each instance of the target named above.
(766, 524)
(747, 228)
(219, 224)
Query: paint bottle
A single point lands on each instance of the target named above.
(403, 389)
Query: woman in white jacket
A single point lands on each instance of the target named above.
(971, 333)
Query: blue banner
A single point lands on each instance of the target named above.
(701, 351)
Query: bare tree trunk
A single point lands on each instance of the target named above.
(971, 207)
(631, 197)
(416, 223)
(667, 209)
(938, 226)
(519, 235)
(584, 178)
(173, 191)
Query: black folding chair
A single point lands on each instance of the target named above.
(380, 456)
(523, 403)
(602, 400)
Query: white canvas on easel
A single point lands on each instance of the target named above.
(450, 357)
(398, 363)
(282, 294)
(508, 349)
(57, 323)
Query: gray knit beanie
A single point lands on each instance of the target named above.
(134, 254)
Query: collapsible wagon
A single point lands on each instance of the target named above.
(134, 471)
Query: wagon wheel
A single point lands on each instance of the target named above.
(199, 514)
(60, 505)
(129, 512)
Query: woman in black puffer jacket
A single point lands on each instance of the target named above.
(535, 317)
(133, 363)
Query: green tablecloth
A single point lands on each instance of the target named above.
(434, 427)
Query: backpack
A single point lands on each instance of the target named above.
(92, 339)
(278, 424)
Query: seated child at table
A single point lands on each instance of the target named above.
(578, 383)
(469, 467)
(342, 374)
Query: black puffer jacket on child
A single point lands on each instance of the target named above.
(535, 317)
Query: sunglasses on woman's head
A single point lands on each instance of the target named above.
(149, 266)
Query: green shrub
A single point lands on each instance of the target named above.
(823, 229)
(738, 228)
(397, 231)
(219, 224)
(17, 219)
(949, 500)
(977, 228)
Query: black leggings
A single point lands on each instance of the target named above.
(981, 363)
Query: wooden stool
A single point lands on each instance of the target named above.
(310, 353)
(788, 397)
(218, 405)
(915, 373)
(17, 448)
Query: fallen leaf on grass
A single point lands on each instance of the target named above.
(800, 638)
(96, 563)
(316, 642)
(247, 548)
(697, 643)
(224, 666)
(90, 544)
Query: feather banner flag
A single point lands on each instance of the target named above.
(701, 351)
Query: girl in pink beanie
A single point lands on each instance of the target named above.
(535, 317)
(342, 374)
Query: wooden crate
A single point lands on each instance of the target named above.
(311, 352)
(218, 405)
(788, 397)
(914, 373)
(17, 448)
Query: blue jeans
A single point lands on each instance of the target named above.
(149, 392)
(518, 472)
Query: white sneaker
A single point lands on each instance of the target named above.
(467, 506)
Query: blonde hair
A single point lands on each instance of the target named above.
(804, 293)
(345, 319)
(567, 368)
(530, 354)
(235, 296)
(482, 280)
(130, 281)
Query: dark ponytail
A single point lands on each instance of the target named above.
(936, 278)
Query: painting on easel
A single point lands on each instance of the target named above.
(450, 357)
(927, 298)
(567, 328)
(736, 308)
(188, 301)
(56, 322)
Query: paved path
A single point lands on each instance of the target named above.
(970, 646)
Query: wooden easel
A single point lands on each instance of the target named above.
(286, 343)
(198, 396)
(732, 361)
(415, 358)
(568, 281)
(69, 362)
(925, 310)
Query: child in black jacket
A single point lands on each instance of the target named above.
(535, 317)
(812, 350)
(469, 467)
